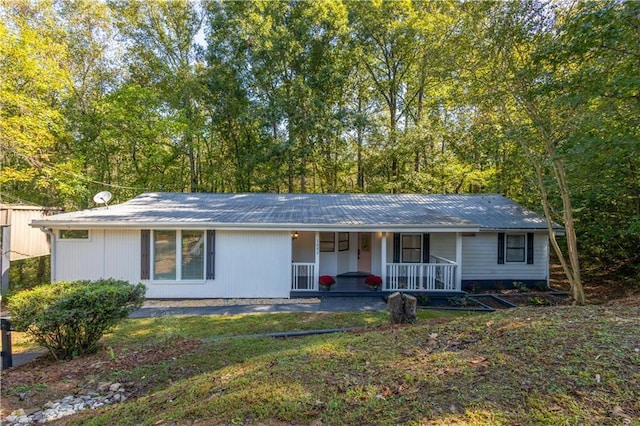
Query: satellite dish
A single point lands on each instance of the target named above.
(102, 197)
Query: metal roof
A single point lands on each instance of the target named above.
(302, 211)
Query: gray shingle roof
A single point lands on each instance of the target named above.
(307, 210)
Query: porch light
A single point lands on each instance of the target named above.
(294, 235)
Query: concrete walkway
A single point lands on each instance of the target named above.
(329, 304)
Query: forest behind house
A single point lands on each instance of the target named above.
(535, 100)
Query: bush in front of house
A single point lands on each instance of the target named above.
(373, 281)
(326, 280)
(69, 318)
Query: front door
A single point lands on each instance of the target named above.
(364, 252)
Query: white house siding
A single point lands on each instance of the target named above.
(106, 254)
(248, 264)
(329, 263)
(80, 259)
(252, 264)
(122, 255)
(26, 242)
(376, 252)
(480, 259)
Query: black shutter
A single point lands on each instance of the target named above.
(145, 261)
(211, 254)
(530, 248)
(396, 247)
(425, 248)
(500, 248)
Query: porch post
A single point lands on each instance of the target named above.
(458, 261)
(383, 259)
(316, 266)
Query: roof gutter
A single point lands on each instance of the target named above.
(259, 226)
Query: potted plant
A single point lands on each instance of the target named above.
(373, 281)
(326, 281)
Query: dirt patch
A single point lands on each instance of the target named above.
(600, 286)
(630, 301)
(536, 299)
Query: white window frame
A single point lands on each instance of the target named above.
(178, 245)
(524, 248)
(61, 238)
(323, 243)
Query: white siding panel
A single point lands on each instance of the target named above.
(80, 259)
(328, 263)
(122, 255)
(26, 241)
(480, 254)
(376, 252)
(252, 264)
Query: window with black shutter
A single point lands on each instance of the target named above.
(530, 248)
(145, 260)
(500, 248)
(211, 254)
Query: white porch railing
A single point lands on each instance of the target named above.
(438, 275)
(302, 276)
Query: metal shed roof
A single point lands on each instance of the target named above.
(305, 211)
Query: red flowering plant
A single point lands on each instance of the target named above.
(373, 281)
(326, 281)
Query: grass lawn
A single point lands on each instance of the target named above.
(560, 365)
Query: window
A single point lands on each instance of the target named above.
(164, 255)
(178, 255)
(515, 250)
(328, 241)
(343, 241)
(192, 255)
(74, 234)
(411, 248)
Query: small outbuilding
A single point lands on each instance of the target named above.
(17, 239)
(256, 245)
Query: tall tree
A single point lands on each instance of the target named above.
(32, 88)
(164, 55)
(527, 88)
(287, 55)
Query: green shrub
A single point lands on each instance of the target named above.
(69, 318)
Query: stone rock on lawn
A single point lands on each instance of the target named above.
(402, 308)
(68, 405)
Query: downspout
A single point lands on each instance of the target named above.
(52, 241)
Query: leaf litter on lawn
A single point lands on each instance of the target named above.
(551, 365)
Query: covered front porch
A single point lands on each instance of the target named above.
(416, 262)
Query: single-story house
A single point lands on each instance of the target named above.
(257, 245)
